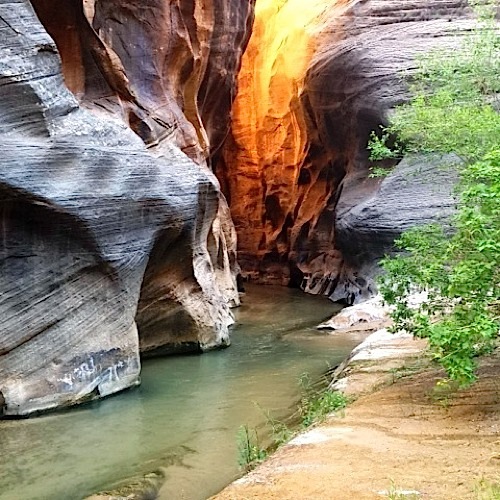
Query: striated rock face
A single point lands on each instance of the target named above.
(418, 191)
(116, 236)
(168, 69)
(351, 86)
(296, 163)
(102, 230)
(261, 167)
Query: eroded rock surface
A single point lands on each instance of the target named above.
(272, 200)
(168, 69)
(370, 315)
(353, 83)
(419, 190)
(97, 229)
(296, 167)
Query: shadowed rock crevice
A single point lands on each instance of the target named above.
(2, 405)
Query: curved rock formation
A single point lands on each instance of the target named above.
(100, 228)
(111, 216)
(168, 69)
(351, 87)
(260, 165)
(296, 162)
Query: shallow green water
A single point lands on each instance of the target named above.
(184, 417)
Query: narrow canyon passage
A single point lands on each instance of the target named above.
(140, 141)
(279, 191)
(317, 79)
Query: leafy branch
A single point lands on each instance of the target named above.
(454, 110)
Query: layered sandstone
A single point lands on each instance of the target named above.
(313, 85)
(260, 168)
(168, 69)
(111, 239)
(352, 85)
(111, 218)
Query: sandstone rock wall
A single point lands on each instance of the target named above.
(296, 161)
(168, 69)
(260, 168)
(115, 233)
(352, 84)
(103, 228)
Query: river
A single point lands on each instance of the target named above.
(185, 416)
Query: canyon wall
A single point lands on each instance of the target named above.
(295, 168)
(115, 235)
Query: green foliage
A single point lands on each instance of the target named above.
(316, 404)
(250, 452)
(280, 432)
(454, 110)
(379, 149)
(459, 272)
(456, 103)
(487, 490)
(376, 172)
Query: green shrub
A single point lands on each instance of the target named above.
(317, 404)
(487, 489)
(455, 109)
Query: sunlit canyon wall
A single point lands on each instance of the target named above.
(316, 79)
(115, 236)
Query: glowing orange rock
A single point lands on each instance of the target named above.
(317, 78)
(269, 144)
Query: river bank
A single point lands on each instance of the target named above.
(178, 430)
(404, 437)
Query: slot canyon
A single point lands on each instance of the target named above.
(155, 152)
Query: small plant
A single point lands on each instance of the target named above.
(402, 495)
(281, 433)
(326, 403)
(250, 452)
(376, 172)
(487, 490)
(379, 150)
(443, 392)
(316, 404)
(397, 493)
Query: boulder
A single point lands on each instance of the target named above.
(369, 315)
